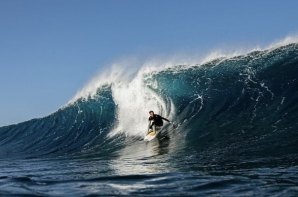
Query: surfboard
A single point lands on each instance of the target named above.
(151, 135)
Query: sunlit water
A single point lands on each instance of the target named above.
(155, 173)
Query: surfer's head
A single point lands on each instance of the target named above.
(151, 113)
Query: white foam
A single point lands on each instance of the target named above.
(116, 73)
(285, 41)
(134, 100)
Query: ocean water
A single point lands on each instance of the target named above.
(237, 133)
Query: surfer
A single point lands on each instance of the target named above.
(155, 120)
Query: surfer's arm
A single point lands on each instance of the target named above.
(165, 119)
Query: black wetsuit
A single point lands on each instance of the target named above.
(157, 120)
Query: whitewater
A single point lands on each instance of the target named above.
(237, 131)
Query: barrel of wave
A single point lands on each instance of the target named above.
(133, 102)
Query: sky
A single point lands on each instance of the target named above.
(49, 49)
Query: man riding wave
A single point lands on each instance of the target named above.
(155, 122)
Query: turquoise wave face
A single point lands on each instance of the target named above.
(245, 106)
(77, 128)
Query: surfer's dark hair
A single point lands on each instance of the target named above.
(151, 111)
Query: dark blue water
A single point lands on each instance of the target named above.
(237, 135)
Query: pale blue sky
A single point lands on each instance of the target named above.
(50, 48)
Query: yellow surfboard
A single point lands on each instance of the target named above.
(151, 135)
